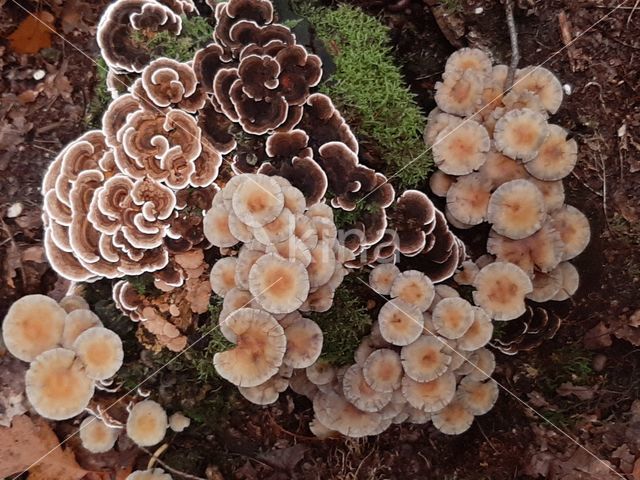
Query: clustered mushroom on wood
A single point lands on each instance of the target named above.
(500, 161)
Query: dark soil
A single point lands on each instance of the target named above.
(602, 69)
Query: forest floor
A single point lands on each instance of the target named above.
(578, 388)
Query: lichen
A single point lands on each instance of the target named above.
(368, 87)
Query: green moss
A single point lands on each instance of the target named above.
(101, 96)
(344, 325)
(196, 33)
(370, 91)
(572, 364)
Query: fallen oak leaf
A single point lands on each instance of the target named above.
(33, 34)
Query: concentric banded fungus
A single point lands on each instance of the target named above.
(170, 83)
(382, 370)
(260, 348)
(56, 385)
(453, 419)
(528, 331)
(400, 323)
(360, 393)
(520, 133)
(96, 436)
(147, 423)
(452, 317)
(460, 150)
(100, 351)
(424, 359)
(429, 396)
(516, 209)
(33, 325)
(500, 290)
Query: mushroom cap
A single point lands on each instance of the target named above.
(570, 281)
(476, 396)
(500, 290)
(541, 82)
(468, 199)
(323, 263)
(238, 229)
(320, 430)
(460, 93)
(480, 365)
(266, 393)
(499, 169)
(77, 322)
(232, 301)
(516, 209)
(279, 230)
(56, 385)
(440, 183)
(321, 373)
(382, 276)
(468, 273)
(424, 359)
(552, 192)
(336, 413)
(260, 348)
(292, 249)
(556, 157)
(574, 230)
(100, 350)
(520, 133)
(545, 285)
(400, 323)
(479, 333)
(304, 343)
(429, 396)
(147, 423)
(33, 324)
(97, 436)
(300, 383)
(382, 370)
(258, 200)
(413, 287)
(452, 317)
(306, 230)
(150, 474)
(279, 285)
(178, 422)
(215, 227)
(223, 275)
(73, 302)
(359, 392)
(468, 59)
(246, 258)
(453, 419)
(462, 149)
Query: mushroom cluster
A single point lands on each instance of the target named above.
(500, 161)
(69, 351)
(424, 360)
(288, 260)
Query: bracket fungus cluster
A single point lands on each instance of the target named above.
(500, 161)
(70, 353)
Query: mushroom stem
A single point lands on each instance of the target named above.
(513, 37)
(155, 459)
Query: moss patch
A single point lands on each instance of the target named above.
(368, 88)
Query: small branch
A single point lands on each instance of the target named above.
(513, 37)
(169, 468)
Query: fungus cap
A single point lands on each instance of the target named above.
(574, 230)
(468, 199)
(453, 419)
(556, 157)
(260, 348)
(266, 393)
(520, 133)
(413, 287)
(462, 149)
(424, 359)
(215, 227)
(500, 290)
(440, 183)
(359, 392)
(516, 209)
(321, 373)
(469, 59)
(147, 423)
(279, 285)
(382, 276)
(429, 396)
(73, 302)
(570, 281)
(100, 350)
(460, 93)
(258, 200)
(382, 370)
(479, 333)
(545, 285)
(223, 275)
(33, 324)
(476, 396)
(452, 317)
(480, 364)
(56, 385)
(400, 323)
(97, 436)
(178, 422)
(150, 474)
(304, 343)
(279, 230)
(77, 322)
(336, 413)
(544, 84)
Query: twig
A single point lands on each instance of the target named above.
(169, 468)
(14, 248)
(513, 37)
(567, 39)
(156, 455)
(635, 6)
